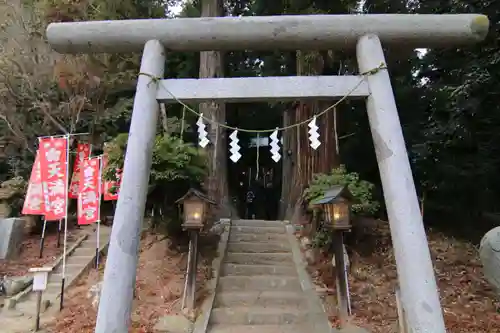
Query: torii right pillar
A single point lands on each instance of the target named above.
(414, 264)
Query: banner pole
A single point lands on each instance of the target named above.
(63, 135)
(61, 305)
(59, 234)
(42, 241)
(99, 186)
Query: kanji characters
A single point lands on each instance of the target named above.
(57, 187)
(34, 201)
(53, 155)
(58, 205)
(90, 212)
(82, 154)
(90, 192)
(90, 197)
(53, 172)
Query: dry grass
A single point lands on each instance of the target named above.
(30, 250)
(160, 282)
(469, 303)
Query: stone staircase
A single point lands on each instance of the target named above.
(262, 286)
(78, 262)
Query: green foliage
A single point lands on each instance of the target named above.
(449, 122)
(176, 166)
(173, 160)
(361, 190)
(323, 238)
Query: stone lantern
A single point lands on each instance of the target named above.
(336, 205)
(195, 204)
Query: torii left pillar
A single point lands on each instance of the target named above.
(121, 265)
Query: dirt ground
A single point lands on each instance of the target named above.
(30, 251)
(469, 303)
(160, 283)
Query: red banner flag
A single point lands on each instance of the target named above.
(53, 170)
(110, 188)
(82, 153)
(89, 199)
(34, 200)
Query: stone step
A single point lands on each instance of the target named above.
(92, 245)
(249, 270)
(259, 329)
(276, 259)
(83, 251)
(259, 283)
(270, 299)
(70, 267)
(53, 291)
(28, 305)
(258, 230)
(255, 247)
(257, 223)
(260, 238)
(92, 242)
(53, 287)
(78, 260)
(257, 316)
(52, 295)
(76, 263)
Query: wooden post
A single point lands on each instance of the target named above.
(38, 309)
(188, 268)
(192, 269)
(342, 290)
(42, 241)
(40, 278)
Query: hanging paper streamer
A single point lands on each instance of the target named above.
(82, 153)
(53, 170)
(34, 201)
(275, 148)
(202, 133)
(89, 199)
(235, 147)
(313, 134)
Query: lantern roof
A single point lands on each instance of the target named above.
(333, 194)
(192, 192)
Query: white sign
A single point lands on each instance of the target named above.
(40, 281)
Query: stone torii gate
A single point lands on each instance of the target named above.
(365, 32)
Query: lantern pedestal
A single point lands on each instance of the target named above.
(343, 300)
(195, 208)
(192, 226)
(188, 298)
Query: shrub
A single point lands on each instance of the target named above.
(361, 190)
(176, 166)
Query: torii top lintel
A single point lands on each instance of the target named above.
(306, 32)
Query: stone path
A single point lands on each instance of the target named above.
(21, 317)
(263, 286)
